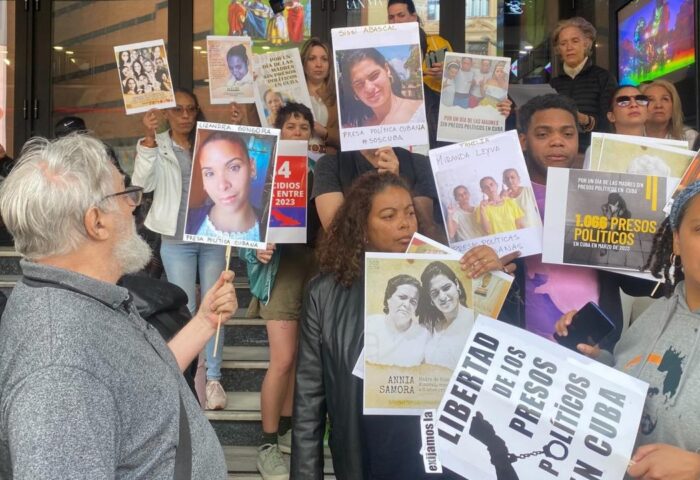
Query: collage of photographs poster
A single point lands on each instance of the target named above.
(486, 196)
(230, 63)
(379, 82)
(144, 76)
(615, 153)
(472, 87)
(418, 316)
(279, 79)
(522, 407)
(602, 219)
(255, 19)
(231, 185)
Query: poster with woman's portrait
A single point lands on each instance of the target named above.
(279, 79)
(486, 196)
(418, 315)
(380, 86)
(472, 87)
(144, 76)
(231, 185)
(230, 63)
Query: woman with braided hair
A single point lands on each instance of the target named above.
(661, 348)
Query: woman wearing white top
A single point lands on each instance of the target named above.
(445, 314)
(665, 119)
(396, 338)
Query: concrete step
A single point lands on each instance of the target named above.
(240, 406)
(242, 463)
(243, 367)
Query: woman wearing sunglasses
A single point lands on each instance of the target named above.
(163, 166)
(628, 111)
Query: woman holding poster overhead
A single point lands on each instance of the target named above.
(163, 166)
(661, 348)
(373, 91)
(377, 215)
(315, 57)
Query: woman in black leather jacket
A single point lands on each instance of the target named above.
(377, 215)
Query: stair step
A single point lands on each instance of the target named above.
(240, 406)
(246, 357)
(242, 462)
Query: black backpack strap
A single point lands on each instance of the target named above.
(183, 453)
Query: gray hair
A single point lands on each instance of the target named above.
(44, 199)
(588, 30)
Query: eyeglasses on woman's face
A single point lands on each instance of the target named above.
(625, 101)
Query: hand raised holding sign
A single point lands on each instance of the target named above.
(664, 462)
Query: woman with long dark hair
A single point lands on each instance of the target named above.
(372, 91)
(377, 215)
(163, 166)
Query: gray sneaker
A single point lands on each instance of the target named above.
(284, 442)
(271, 463)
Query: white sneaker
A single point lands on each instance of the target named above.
(216, 396)
(284, 442)
(271, 463)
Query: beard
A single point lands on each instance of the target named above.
(131, 253)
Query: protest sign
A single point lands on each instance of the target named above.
(602, 219)
(521, 407)
(472, 86)
(231, 185)
(493, 169)
(288, 211)
(380, 86)
(279, 79)
(144, 76)
(490, 290)
(625, 154)
(230, 64)
(418, 314)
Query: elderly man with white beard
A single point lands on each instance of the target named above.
(89, 389)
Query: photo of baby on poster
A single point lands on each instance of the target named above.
(486, 196)
(380, 86)
(144, 76)
(230, 63)
(231, 185)
(472, 87)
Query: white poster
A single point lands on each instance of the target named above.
(486, 196)
(144, 76)
(380, 86)
(279, 79)
(230, 64)
(521, 407)
(472, 87)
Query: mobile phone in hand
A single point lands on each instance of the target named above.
(435, 56)
(590, 325)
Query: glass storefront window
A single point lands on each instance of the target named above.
(84, 75)
(255, 19)
(7, 75)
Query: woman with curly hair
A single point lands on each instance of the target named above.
(661, 348)
(377, 215)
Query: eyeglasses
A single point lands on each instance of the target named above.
(180, 109)
(625, 101)
(134, 195)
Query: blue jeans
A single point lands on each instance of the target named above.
(181, 262)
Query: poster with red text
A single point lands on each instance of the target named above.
(288, 208)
